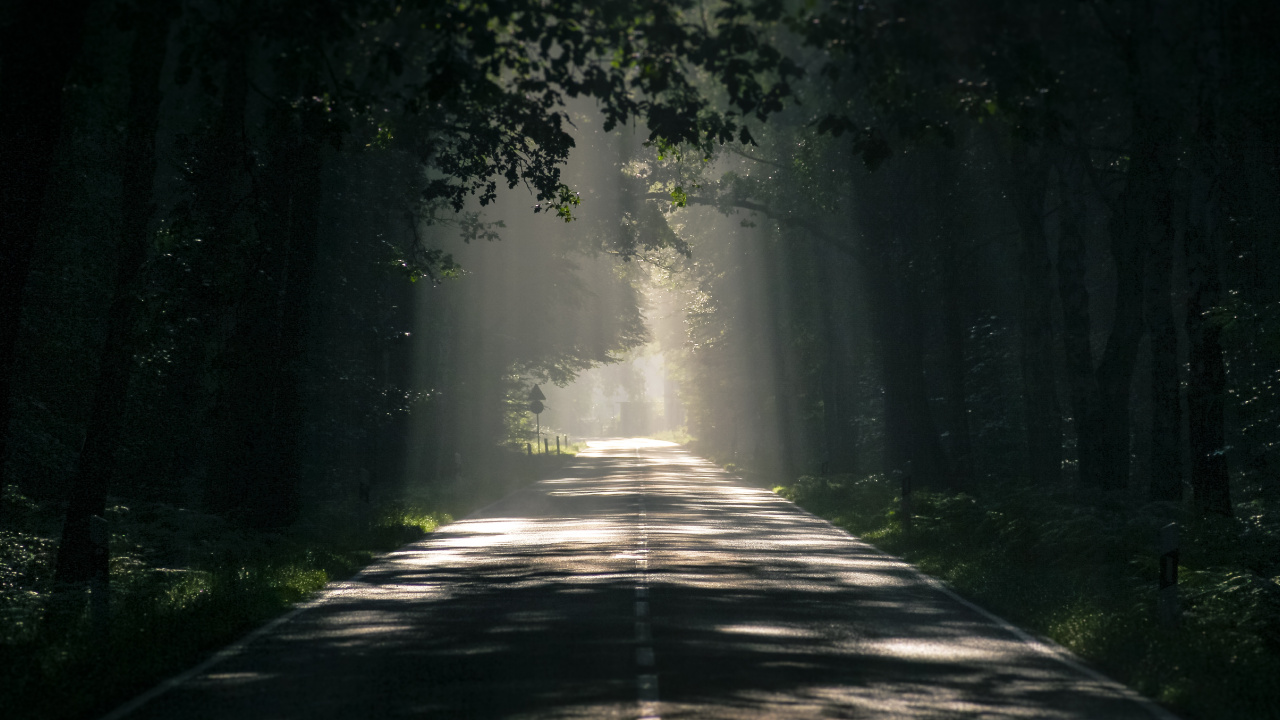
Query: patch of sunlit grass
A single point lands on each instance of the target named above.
(680, 436)
(182, 584)
(412, 515)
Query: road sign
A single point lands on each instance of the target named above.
(536, 407)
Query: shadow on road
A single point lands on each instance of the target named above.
(527, 609)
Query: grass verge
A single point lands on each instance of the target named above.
(184, 584)
(1082, 571)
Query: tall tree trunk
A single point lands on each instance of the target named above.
(955, 365)
(97, 461)
(1039, 384)
(953, 333)
(784, 424)
(1141, 241)
(893, 274)
(1165, 467)
(221, 189)
(1128, 229)
(1141, 249)
(298, 201)
(1115, 370)
(1207, 379)
(259, 479)
(1077, 328)
(839, 431)
(912, 435)
(36, 53)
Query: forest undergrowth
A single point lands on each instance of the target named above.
(1082, 571)
(186, 583)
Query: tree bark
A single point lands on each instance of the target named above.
(912, 435)
(893, 263)
(1207, 380)
(1165, 467)
(1203, 244)
(1115, 370)
(961, 444)
(1142, 237)
(1039, 382)
(94, 468)
(1077, 329)
(1207, 377)
(259, 476)
(1141, 242)
(837, 397)
(783, 425)
(36, 54)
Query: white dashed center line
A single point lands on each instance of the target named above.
(646, 681)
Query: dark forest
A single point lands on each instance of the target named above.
(993, 286)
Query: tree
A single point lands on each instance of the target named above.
(37, 50)
(481, 100)
(94, 468)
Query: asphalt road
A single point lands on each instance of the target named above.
(644, 583)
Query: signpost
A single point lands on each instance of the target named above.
(536, 407)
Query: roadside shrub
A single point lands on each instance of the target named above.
(1083, 569)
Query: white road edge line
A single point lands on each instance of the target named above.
(238, 646)
(1044, 646)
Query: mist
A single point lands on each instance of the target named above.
(287, 289)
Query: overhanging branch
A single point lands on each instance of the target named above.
(817, 230)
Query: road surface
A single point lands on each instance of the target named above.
(644, 583)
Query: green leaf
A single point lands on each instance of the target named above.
(679, 197)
